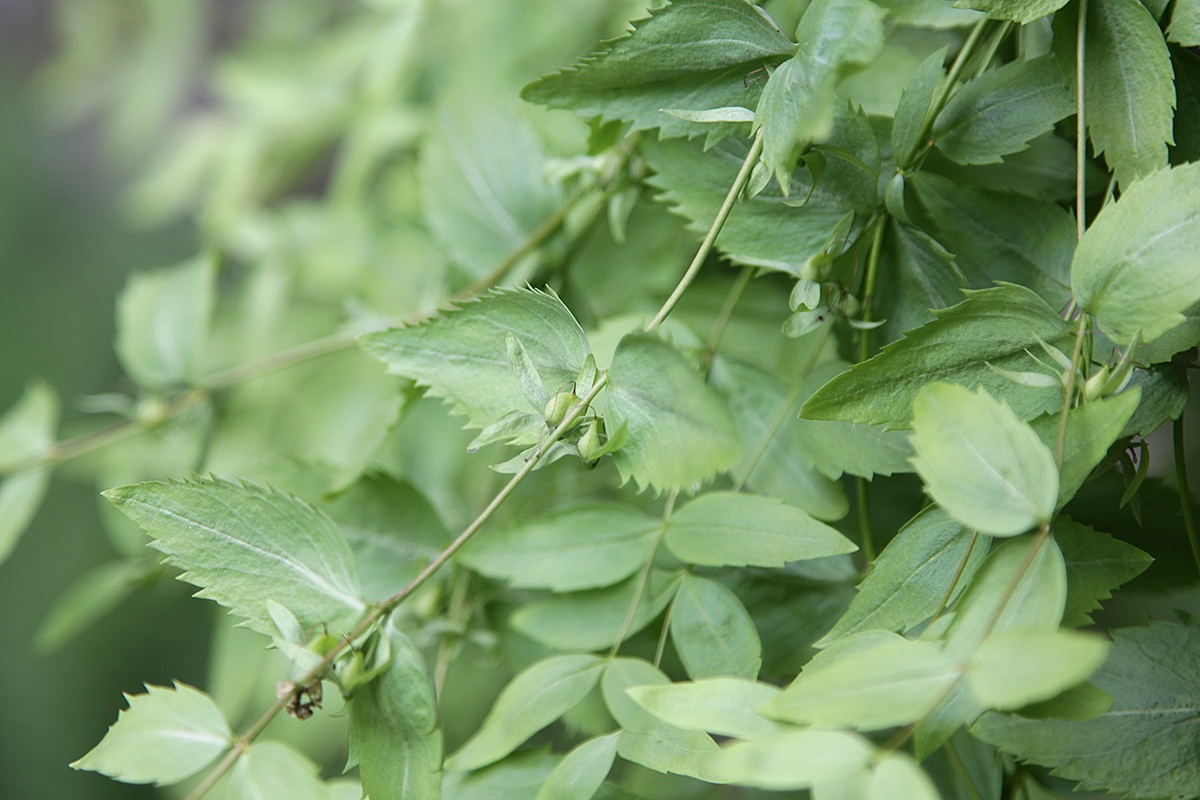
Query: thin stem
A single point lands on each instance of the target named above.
(643, 576)
(710, 238)
(868, 298)
(993, 45)
(964, 775)
(726, 313)
(865, 536)
(1060, 445)
(1185, 496)
(962, 567)
(1080, 125)
(666, 628)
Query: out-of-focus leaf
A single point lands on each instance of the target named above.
(1096, 564)
(94, 594)
(162, 323)
(581, 772)
(792, 759)
(26, 435)
(724, 706)
(270, 770)
(1017, 667)
(712, 631)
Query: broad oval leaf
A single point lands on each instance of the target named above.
(243, 545)
(984, 466)
(581, 772)
(164, 736)
(583, 547)
(724, 706)
(1135, 268)
(1017, 667)
(712, 631)
(793, 759)
(536, 697)
(734, 529)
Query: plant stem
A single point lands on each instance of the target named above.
(1080, 125)
(1060, 445)
(710, 238)
(726, 313)
(643, 576)
(865, 536)
(868, 298)
(1185, 494)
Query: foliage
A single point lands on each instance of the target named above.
(949, 262)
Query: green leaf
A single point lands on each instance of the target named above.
(1185, 23)
(897, 775)
(914, 106)
(724, 706)
(776, 450)
(462, 355)
(1013, 589)
(1135, 266)
(395, 734)
(768, 230)
(518, 777)
(582, 547)
(691, 54)
(870, 681)
(483, 187)
(272, 770)
(1144, 746)
(1016, 667)
(244, 545)
(1096, 564)
(793, 759)
(1001, 111)
(999, 236)
(1091, 430)
(733, 529)
(1128, 83)
(916, 277)
(923, 568)
(536, 697)
(712, 631)
(89, 598)
(797, 104)
(581, 772)
(988, 469)
(163, 737)
(593, 620)
(162, 323)
(645, 739)
(993, 326)
(1022, 11)
(26, 435)
(680, 430)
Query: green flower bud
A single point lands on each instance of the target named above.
(558, 408)
(1094, 388)
(590, 446)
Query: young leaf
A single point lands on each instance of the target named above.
(536, 697)
(923, 568)
(1096, 564)
(691, 54)
(992, 326)
(712, 631)
(1135, 266)
(870, 681)
(724, 706)
(244, 545)
(1128, 86)
(792, 759)
(162, 323)
(1091, 430)
(914, 106)
(163, 737)
(594, 619)
(462, 355)
(1144, 746)
(582, 547)
(483, 187)
(645, 739)
(26, 434)
(1001, 111)
(733, 529)
(395, 734)
(1022, 11)
(988, 469)
(272, 769)
(680, 431)
(1017, 667)
(582, 771)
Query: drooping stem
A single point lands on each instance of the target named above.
(1185, 494)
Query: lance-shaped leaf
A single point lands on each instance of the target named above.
(997, 327)
(582, 547)
(792, 759)
(921, 570)
(680, 431)
(1001, 111)
(26, 434)
(988, 469)
(712, 631)
(724, 706)
(1135, 268)
(797, 105)
(395, 734)
(162, 323)
(244, 545)
(1022, 11)
(536, 697)
(462, 355)
(691, 55)
(1096, 564)
(1145, 745)
(582, 771)
(732, 529)
(914, 105)
(871, 680)
(1017, 667)
(1129, 88)
(163, 737)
